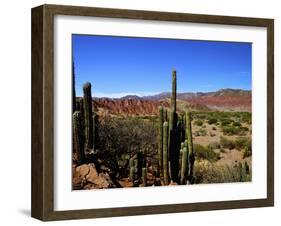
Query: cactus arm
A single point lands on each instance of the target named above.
(78, 143)
(160, 139)
(190, 145)
(88, 116)
(174, 91)
(165, 153)
(184, 165)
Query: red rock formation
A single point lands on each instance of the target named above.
(224, 100)
(129, 106)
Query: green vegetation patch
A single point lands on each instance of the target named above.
(206, 153)
(198, 122)
(209, 173)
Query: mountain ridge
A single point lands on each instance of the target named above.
(221, 100)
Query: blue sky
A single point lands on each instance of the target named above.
(118, 66)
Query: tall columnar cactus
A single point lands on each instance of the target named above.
(73, 89)
(78, 143)
(191, 157)
(174, 150)
(95, 131)
(160, 139)
(182, 127)
(81, 109)
(140, 163)
(88, 116)
(165, 153)
(144, 176)
(184, 166)
(81, 105)
(174, 146)
(132, 174)
(132, 170)
(180, 156)
(77, 105)
(172, 124)
(165, 115)
(174, 91)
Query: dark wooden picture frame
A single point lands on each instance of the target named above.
(42, 203)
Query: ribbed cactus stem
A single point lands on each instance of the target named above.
(144, 176)
(81, 105)
(180, 156)
(173, 147)
(182, 145)
(182, 129)
(77, 106)
(190, 145)
(131, 162)
(78, 143)
(165, 153)
(140, 163)
(95, 131)
(132, 174)
(184, 165)
(174, 91)
(171, 131)
(88, 116)
(160, 139)
(165, 115)
(179, 131)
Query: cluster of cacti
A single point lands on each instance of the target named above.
(175, 147)
(138, 169)
(85, 123)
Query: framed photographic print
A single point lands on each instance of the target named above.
(141, 112)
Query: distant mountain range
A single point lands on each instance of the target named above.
(222, 100)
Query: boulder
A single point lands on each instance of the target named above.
(89, 178)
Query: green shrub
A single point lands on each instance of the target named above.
(237, 124)
(206, 153)
(225, 122)
(241, 142)
(246, 117)
(231, 130)
(215, 145)
(212, 121)
(243, 128)
(200, 132)
(208, 173)
(222, 150)
(198, 122)
(200, 115)
(247, 167)
(226, 143)
(247, 152)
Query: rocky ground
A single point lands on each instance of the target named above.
(86, 176)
